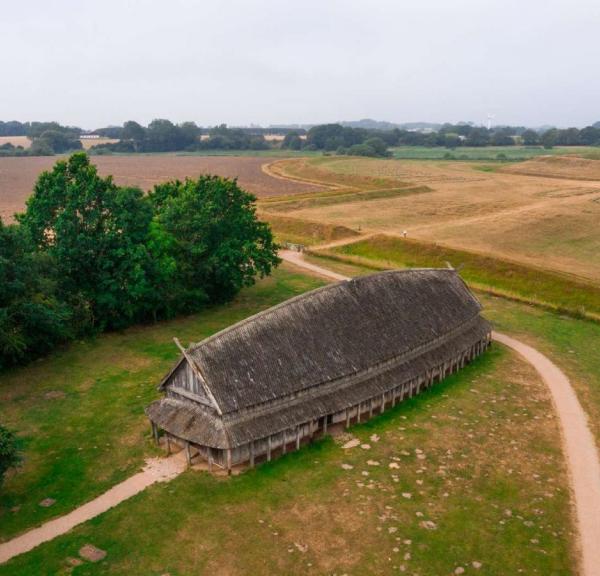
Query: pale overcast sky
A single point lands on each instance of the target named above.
(93, 63)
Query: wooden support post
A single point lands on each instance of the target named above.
(284, 442)
(371, 408)
(358, 413)
(382, 407)
(394, 396)
(297, 437)
(188, 454)
(155, 433)
(168, 438)
(347, 417)
(269, 448)
(210, 460)
(324, 424)
(228, 461)
(251, 448)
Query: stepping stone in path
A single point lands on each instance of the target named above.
(91, 553)
(47, 502)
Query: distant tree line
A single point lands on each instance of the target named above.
(47, 138)
(88, 255)
(162, 135)
(365, 142)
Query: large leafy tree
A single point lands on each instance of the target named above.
(95, 233)
(210, 228)
(33, 319)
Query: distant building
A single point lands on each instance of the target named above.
(89, 136)
(336, 355)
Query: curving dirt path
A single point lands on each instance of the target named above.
(579, 446)
(156, 470)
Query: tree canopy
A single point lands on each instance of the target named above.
(88, 255)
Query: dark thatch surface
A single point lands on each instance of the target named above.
(322, 352)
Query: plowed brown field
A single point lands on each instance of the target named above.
(18, 175)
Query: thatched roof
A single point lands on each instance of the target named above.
(321, 352)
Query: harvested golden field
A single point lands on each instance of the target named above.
(558, 167)
(18, 175)
(544, 221)
(87, 143)
(16, 141)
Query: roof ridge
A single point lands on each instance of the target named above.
(304, 295)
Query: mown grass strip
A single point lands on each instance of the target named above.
(551, 290)
(343, 198)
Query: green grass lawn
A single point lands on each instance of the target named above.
(490, 153)
(468, 475)
(478, 456)
(554, 290)
(79, 412)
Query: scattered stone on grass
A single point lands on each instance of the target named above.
(54, 394)
(394, 465)
(374, 438)
(347, 466)
(428, 525)
(476, 565)
(74, 561)
(302, 547)
(91, 553)
(352, 443)
(365, 446)
(47, 502)
(372, 463)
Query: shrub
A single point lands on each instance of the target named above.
(9, 451)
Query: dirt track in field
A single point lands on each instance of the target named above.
(18, 175)
(542, 220)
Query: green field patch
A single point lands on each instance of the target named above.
(487, 154)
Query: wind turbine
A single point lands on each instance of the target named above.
(490, 117)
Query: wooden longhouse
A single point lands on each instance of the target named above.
(338, 354)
